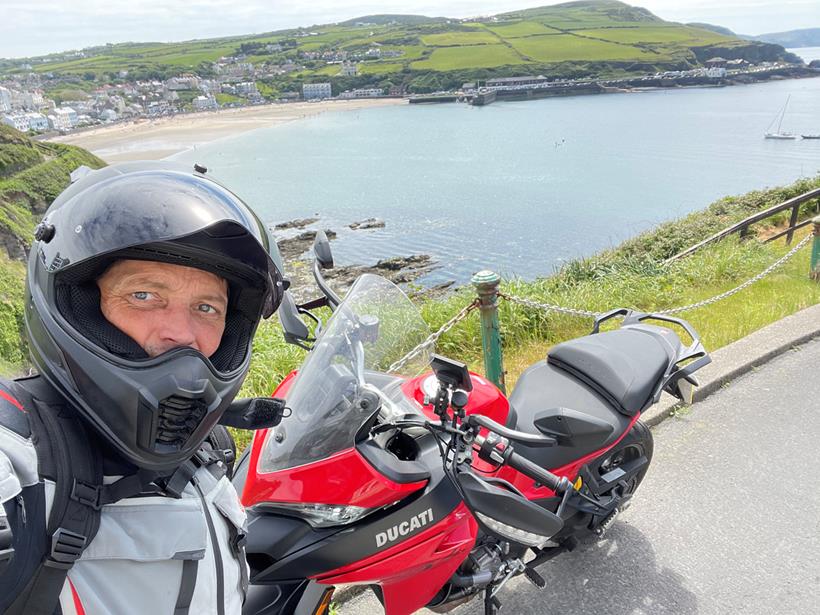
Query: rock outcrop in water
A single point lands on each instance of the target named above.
(369, 223)
(299, 264)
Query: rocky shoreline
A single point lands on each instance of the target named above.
(295, 250)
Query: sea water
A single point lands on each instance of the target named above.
(519, 187)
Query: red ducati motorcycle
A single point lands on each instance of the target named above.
(398, 469)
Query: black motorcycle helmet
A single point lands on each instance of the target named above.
(156, 411)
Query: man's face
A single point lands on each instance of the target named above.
(163, 306)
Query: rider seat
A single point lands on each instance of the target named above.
(588, 390)
(624, 366)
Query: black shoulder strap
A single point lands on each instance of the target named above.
(66, 457)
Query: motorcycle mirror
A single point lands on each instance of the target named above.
(254, 413)
(321, 248)
(295, 330)
(504, 513)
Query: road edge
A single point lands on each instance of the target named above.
(742, 356)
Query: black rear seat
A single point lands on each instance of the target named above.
(624, 366)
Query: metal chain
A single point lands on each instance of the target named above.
(776, 265)
(433, 337)
(465, 311)
(547, 306)
(587, 313)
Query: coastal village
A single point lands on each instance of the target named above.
(42, 101)
(25, 107)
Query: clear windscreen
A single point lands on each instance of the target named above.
(362, 354)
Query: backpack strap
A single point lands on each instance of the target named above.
(65, 456)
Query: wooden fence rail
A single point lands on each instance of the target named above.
(742, 227)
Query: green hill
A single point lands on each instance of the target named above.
(807, 37)
(600, 38)
(32, 174)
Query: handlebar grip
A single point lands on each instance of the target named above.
(558, 484)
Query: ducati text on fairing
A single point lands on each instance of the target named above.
(404, 528)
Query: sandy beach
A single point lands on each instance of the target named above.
(163, 137)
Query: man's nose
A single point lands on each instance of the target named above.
(177, 327)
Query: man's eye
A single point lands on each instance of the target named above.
(207, 309)
(141, 295)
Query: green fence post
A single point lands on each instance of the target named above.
(815, 251)
(486, 285)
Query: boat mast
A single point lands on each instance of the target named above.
(783, 113)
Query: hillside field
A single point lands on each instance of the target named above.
(610, 34)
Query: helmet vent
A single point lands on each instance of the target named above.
(177, 419)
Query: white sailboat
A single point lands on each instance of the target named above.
(777, 134)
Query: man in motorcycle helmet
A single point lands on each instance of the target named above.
(145, 286)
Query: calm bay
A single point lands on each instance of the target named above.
(519, 187)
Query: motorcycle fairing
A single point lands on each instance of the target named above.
(319, 551)
(345, 479)
(433, 555)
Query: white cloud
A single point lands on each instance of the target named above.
(31, 27)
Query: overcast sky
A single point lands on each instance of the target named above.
(34, 27)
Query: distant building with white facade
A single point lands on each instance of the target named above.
(362, 93)
(204, 103)
(32, 100)
(5, 99)
(183, 82)
(16, 120)
(63, 118)
(246, 88)
(311, 91)
(37, 121)
(109, 115)
(349, 69)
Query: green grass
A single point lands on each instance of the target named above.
(479, 56)
(12, 349)
(450, 39)
(429, 44)
(519, 29)
(226, 99)
(656, 34)
(379, 68)
(567, 47)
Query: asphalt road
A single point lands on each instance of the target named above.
(726, 521)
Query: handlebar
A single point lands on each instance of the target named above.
(559, 484)
(492, 452)
(510, 434)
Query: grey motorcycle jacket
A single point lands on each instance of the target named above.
(151, 554)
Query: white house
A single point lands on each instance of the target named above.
(315, 90)
(349, 69)
(37, 121)
(5, 99)
(63, 118)
(32, 100)
(246, 88)
(205, 103)
(16, 120)
(362, 93)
